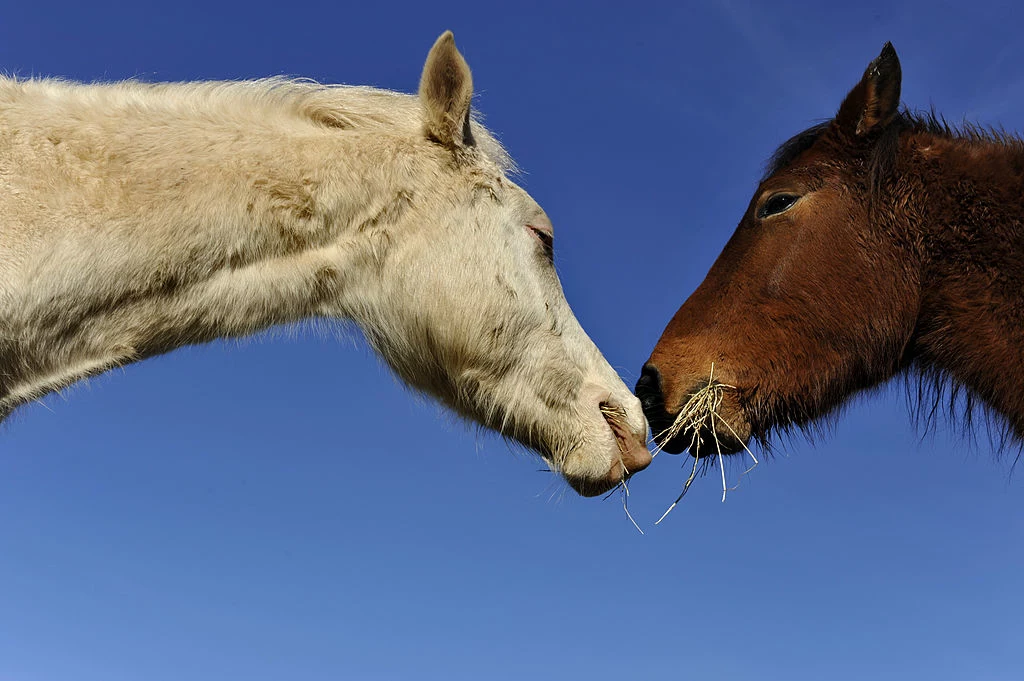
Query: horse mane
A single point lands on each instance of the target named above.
(884, 147)
(252, 103)
(934, 123)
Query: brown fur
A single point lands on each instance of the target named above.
(903, 253)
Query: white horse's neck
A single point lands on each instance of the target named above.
(153, 239)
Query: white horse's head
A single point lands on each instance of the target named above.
(465, 305)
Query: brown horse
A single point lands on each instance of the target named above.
(878, 243)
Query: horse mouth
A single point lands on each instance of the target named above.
(721, 428)
(702, 441)
(632, 455)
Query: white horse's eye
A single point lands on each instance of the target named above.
(546, 238)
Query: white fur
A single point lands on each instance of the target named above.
(138, 218)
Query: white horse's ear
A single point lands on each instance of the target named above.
(872, 104)
(446, 89)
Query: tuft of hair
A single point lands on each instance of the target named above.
(933, 396)
(883, 148)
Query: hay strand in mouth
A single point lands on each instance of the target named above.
(699, 413)
(696, 413)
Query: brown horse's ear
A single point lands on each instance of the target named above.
(874, 101)
(446, 88)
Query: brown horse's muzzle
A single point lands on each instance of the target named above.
(723, 429)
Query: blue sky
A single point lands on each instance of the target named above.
(281, 509)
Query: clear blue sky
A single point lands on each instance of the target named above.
(282, 509)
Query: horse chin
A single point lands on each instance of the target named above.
(632, 456)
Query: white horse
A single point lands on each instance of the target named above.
(138, 218)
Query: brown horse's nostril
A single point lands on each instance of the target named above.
(652, 399)
(648, 388)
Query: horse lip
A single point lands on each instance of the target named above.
(661, 421)
(677, 445)
(633, 457)
(729, 441)
(726, 443)
(724, 440)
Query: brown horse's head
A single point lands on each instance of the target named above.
(813, 297)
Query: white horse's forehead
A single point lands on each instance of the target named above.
(531, 212)
(541, 220)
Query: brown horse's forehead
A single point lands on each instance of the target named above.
(803, 171)
(811, 169)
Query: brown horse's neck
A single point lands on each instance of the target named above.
(964, 211)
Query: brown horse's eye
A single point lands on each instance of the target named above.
(776, 203)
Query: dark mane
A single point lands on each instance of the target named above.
(883, 153)
(935, 124)
(885, 147)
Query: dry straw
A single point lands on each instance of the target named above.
(698, 416)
